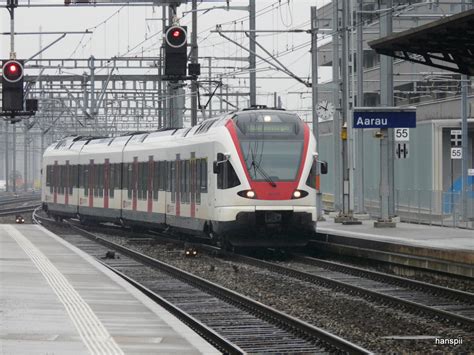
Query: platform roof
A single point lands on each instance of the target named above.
(447, 43)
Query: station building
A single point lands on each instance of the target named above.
(427, 182)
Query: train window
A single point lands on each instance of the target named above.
(101, 179)
(48, 176)
(172, 180)
(111, 179)
(134, 179)
(124, 176)
(163, 179)
(182, 180)
(58, 179)
(192, 179)
(197, 186)
(73, 179)
(129, 179)
(144, 180)
(227, 178)
(85, 169)
(65, 180)
(139, 180)
(81, 178)
(96, 180)
(62, 178)
(156, 179)
(204, 175)
(168, 176)
(189, 176)
(118, 176)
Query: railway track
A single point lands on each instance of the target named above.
(411, 296)
(232, 322)
(19, 199)
(17, 210)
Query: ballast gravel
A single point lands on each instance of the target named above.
(376, 327)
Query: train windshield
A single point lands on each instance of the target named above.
(271, 143)
(277, 160)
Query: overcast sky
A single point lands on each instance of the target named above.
(133, 31)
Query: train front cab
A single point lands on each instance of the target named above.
(265, 186)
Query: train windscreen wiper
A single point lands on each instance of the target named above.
(264, 174)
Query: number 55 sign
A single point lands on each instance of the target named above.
(401, 134)
(456, 153)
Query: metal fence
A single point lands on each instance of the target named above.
(443, 208)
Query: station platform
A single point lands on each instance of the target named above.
(450, 250)
(56, 299)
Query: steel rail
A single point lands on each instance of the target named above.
(18, 200)
(11, 211)
(352, 289)
(392, 279)
(205, 332)
(274, 316)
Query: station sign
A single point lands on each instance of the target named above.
(456, 153)
(401, 134)
(402, 150)
(456, 137)
(380, 117)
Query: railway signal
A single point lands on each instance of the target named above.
(12, 85)
(176, 56)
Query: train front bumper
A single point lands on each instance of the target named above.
(266, 225)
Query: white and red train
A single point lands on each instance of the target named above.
(246, 178)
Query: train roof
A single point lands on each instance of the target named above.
(79, 142)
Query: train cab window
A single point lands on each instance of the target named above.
(227, 178)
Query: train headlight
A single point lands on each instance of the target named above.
(190, 252)
(247, 194)
(299, 194)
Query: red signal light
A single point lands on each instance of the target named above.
(12, 71)
(176, 37)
